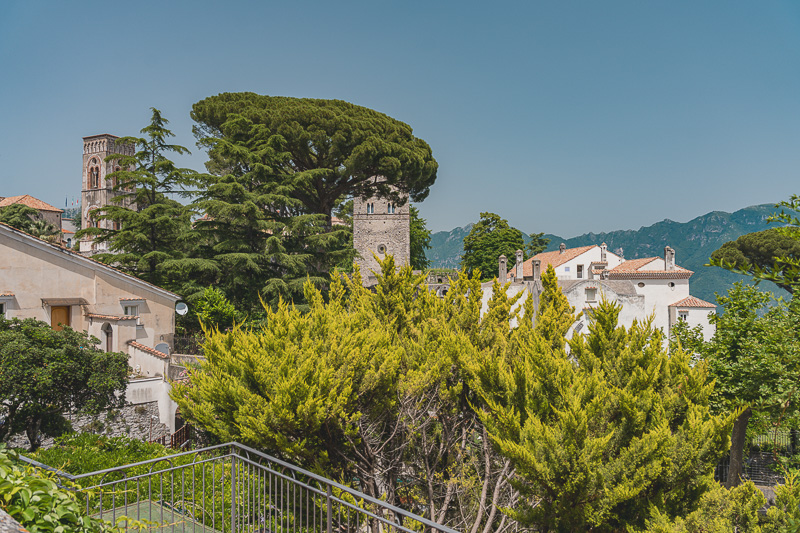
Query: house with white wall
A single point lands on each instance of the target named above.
(651, 286)
(61, 287)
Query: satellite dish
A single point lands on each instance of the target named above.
(162, 347)
(181, 308)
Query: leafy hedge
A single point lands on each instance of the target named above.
(33, 499)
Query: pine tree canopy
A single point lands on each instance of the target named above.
(323, 150)
(490, 238)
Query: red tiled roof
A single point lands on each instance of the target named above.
(678, 273)
(66, 231)
(111, 317)
(553, 258)
(6, 294)
(132, 299)
(633, 269)
(30, 201)
(691, 301)
(146, 349)
(633, 265)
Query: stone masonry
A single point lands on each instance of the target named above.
(131, 421)
(380, 227)
(97, 190)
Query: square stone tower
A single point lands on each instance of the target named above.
(98, 189)
(380, 227)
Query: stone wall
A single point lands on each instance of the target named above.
(9, 525)
(130, 421)
(380, 230)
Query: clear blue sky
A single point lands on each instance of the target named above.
(563, 117)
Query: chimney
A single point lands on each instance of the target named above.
(603, 249)
(502, 276)
(669, 258)
(537, 269)
(518, 275)
(562, 248)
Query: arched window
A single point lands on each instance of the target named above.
(370, 208)
(390, 209)
(94, 178)
(108, 333)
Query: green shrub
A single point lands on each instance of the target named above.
(34, 500)
(79, 453)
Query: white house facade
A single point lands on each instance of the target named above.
(648, 287)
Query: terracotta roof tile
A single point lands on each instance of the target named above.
(555, 258)
(111, 317)
(30, 201)
(147, 349)
(132, 299)
(633, 269)
(6, 293)
(691, 301)
(633, 264)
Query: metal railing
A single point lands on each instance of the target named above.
(761, 457)
(231, 488)
(177, 440)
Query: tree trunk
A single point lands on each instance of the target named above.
(737, 448)
(32, 431)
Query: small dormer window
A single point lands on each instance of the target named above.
(131, 310)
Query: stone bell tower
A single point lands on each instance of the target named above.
(380, 227)
(98, 188)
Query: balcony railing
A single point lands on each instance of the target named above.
(234, 488)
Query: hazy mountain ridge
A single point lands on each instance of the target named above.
(693, 242)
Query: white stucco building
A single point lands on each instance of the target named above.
(651, 286)
(63, 288)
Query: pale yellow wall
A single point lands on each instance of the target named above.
(33, 270)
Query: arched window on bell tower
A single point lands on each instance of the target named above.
(94, 177)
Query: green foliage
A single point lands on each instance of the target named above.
(44, 373)
(420, 240)
(370, 386)
(720, 511)
(762, 254)
(536, 245)
(490, 238)
(18, 216)
(256, 240)
(686, 338)
(754, 358)
(32, 498)
(214, 310)
(768, 255)
(153, 227)
(81, 453)
(44, 230)
(754, 354)
(606, 436)
(326, 149)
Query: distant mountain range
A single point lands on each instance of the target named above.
(693, 242)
